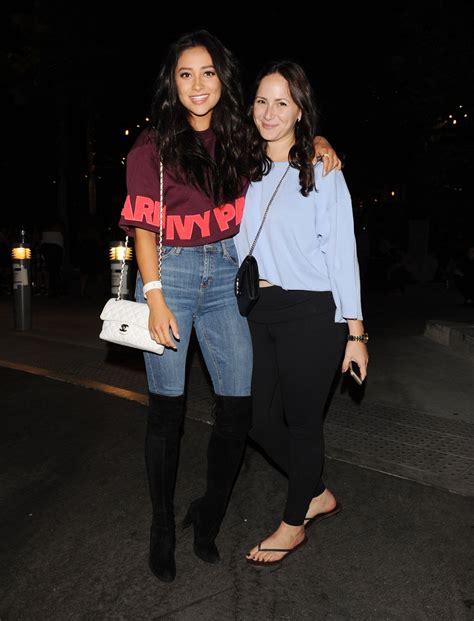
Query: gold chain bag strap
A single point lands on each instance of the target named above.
(125, 322)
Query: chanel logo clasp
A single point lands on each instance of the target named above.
(124, 327)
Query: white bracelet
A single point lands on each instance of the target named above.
(153, 284)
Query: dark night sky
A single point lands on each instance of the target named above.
(384, 76)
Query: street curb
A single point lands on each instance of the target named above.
(455, 335)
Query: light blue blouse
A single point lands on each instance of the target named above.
(306, 243)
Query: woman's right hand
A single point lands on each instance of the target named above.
(162, 322)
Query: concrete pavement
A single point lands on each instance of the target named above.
(414, 417)
(75, 529)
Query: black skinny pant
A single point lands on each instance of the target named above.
(297, 348)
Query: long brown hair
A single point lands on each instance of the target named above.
(220, 178)
(302, 153)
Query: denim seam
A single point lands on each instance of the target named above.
(154, 387)
(214, 361)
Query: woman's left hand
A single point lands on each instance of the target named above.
(326, 154)
(356, 352)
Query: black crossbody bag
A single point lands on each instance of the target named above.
(247, 280)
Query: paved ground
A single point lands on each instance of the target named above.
(74, 526)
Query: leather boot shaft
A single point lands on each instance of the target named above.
(224, 457)
(162, 441)
(232, 421)
(164, 424)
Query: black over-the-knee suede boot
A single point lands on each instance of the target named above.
(165, 418)
(224, 457)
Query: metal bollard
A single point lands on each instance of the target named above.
(21, 264)
(117, 251)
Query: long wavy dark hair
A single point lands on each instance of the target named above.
(183, 153)
(301, 154)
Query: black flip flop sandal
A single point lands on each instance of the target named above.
(287, 551)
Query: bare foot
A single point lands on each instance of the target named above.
(285, 537)
(323, 503)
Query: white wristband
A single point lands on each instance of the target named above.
(153, 284)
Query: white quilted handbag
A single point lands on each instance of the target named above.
(125, 322)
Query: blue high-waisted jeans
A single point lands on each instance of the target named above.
(198, 285)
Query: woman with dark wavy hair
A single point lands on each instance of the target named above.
(307, 321)
(198, 133)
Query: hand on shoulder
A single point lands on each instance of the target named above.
(327, 155)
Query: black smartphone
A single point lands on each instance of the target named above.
(355, 372)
